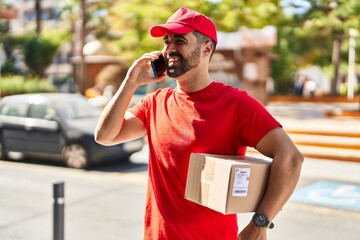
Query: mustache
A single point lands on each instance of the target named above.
(175, 54)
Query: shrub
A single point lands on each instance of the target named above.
(10, 85)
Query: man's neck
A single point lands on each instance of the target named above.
(192, 82)
(189, 86)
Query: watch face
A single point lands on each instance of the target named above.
(260, 220)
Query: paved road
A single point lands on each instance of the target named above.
(106, 203)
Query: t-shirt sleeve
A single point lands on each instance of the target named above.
(139, 110)
(255, 122)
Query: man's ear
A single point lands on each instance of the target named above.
(208, 48)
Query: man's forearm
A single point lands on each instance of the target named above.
(112, 117)
(284, 175)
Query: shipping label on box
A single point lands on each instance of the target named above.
(241, 182)
(227, 184)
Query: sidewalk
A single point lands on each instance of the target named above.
(315, 134)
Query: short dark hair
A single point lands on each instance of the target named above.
(201, 38)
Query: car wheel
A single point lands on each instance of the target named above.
(3, 155)
(75, 156)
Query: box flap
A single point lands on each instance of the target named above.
(241, 159)
(193, 182)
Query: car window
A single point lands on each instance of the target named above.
(41, 111)
(16, 109)
(76, 108)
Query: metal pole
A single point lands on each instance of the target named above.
(351, 67)
(83, 67)
(58, 210)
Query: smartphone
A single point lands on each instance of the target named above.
(158, 66)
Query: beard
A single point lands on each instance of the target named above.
(184, 64)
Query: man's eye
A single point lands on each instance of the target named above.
(179, 41)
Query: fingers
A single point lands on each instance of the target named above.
(150, 56)
(140, 70)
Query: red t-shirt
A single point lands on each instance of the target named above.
(218, 119)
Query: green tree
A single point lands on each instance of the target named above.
(307, 37)
(318, 34)
(303, 38)
(134, 18)
(38, 51)
(34, 49)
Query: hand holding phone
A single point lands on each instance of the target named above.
(158, 66)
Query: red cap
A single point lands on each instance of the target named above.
(184, 21)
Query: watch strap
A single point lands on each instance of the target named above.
(270, 225)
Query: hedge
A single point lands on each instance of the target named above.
(10, 85)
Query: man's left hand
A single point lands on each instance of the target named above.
(252, 232)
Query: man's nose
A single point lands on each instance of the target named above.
(169, 47)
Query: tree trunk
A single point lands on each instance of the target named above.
(336, 57)
(38, 16)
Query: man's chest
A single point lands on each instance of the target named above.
(186, 125)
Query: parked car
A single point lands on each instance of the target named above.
(55, 126)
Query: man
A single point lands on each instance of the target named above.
(199, 115)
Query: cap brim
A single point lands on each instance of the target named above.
(161, 30)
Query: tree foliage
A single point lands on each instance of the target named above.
(39, 54)
(308, 38)
(134, 19)
(38, 51)
(317, 28)
(304, 38)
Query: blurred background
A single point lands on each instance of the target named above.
(300, 58)
(273, 47)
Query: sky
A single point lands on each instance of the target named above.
(295, 7)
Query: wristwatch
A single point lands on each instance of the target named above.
(261, 220)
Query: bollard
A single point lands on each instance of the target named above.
(58, 210)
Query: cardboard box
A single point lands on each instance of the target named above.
(227, 184)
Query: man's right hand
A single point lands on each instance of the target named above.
(115, 124)
(139, 72)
